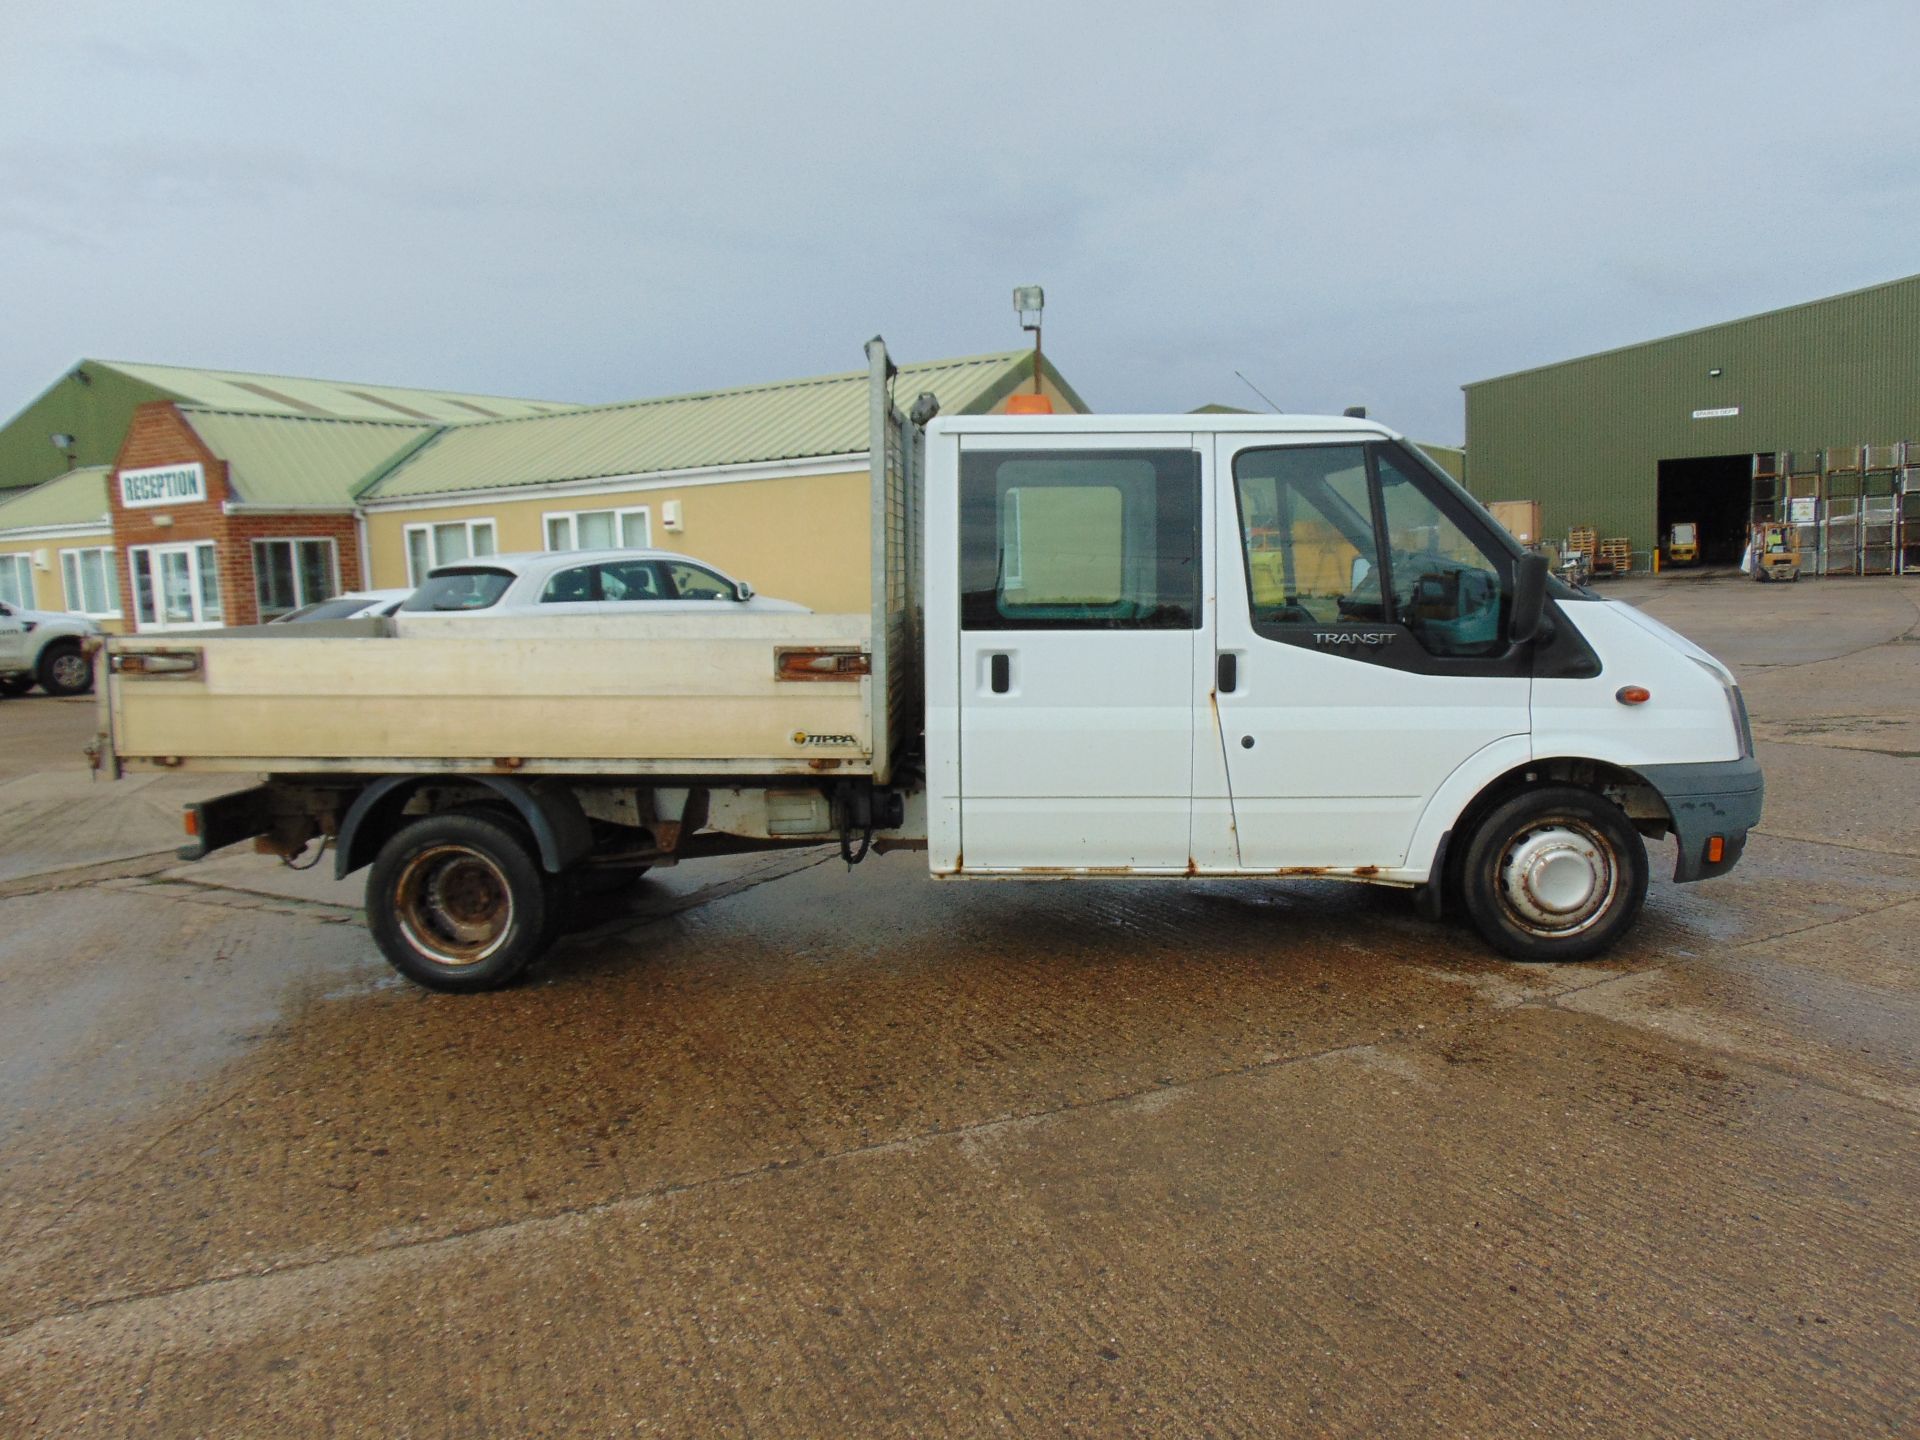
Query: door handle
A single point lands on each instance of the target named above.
(1228, 676)
(1000, 672)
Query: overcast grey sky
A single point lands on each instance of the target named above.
(1352, 203)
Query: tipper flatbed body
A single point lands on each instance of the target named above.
(1252, 646)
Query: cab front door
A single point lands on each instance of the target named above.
(1362, 620)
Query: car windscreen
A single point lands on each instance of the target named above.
(473, 588)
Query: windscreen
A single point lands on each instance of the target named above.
(472, 589)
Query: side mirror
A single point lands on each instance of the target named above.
(1529, 598)
(742, 591)
(1362, 567)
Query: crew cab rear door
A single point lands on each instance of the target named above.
(1081, 567)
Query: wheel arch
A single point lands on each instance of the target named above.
(551, 812)
(1636, 796)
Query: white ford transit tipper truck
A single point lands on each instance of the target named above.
(1253, 646)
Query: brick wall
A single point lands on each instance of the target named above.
(160, 435)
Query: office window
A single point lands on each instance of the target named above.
(630, 529)
(92, 584)
(290, 573)
(16, 581)
(447, 543)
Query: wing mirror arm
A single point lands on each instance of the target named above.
(1528, 618)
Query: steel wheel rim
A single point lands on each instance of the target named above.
(70, 671)
(454, 905)
(1557, 877)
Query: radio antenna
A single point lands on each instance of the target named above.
(1261, 393)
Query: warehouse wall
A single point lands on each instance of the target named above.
(1585, 437)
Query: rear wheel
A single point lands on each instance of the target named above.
(65, 670)
(459, 902)
(1555, 873)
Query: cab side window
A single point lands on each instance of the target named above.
(1306, 520)
(1080, 539)
(1446, 589)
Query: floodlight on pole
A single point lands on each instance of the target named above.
(63, 442)
(1030, 300)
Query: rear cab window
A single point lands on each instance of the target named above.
(1080, 540)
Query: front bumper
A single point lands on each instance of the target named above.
(1720, 798)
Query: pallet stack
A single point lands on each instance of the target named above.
(1615, 557)
(1584, 540)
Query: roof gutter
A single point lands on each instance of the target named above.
(242, 507)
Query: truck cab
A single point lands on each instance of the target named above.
(1282, 646)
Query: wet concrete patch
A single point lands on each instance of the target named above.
(1585, 1228)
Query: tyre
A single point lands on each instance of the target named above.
(65, 669)
(1555, 873)
(12, 687)
(459, 902)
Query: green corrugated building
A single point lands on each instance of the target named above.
(1631, 440)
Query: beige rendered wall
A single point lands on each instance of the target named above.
(802, 538)
(49, 591)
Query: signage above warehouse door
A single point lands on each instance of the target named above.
(163, 485)
(1724, 412)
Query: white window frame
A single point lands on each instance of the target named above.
(22, 562)
(200, 572)
(75, 595)
(299, 589)
(622, 515)
(428, 529)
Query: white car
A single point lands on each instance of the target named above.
(586, 582)
(354, 605)
(44, 648)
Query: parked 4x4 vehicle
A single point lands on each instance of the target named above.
(44, 648)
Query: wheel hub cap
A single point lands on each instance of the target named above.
(454, 905)
(1557, 878)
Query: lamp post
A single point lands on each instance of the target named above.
(1030, 300)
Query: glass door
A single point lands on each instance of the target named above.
(177, 586)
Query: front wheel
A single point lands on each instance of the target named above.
(1555, 873)
(65, 670)
(458, 902)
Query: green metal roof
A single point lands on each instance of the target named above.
(78, 497)
(290, 460)
(323, 399)
(791, 420)
(1804, 313)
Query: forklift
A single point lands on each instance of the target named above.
(1683, 543)
(1775, 552)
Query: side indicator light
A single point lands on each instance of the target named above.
(190, 821)
(1633, 695)
(1716, 849)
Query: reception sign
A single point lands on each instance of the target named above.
(163, 485)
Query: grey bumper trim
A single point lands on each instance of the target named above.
(1721, 798)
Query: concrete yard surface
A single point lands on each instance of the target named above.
(776, 1149)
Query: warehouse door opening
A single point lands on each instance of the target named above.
(1714, 493)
